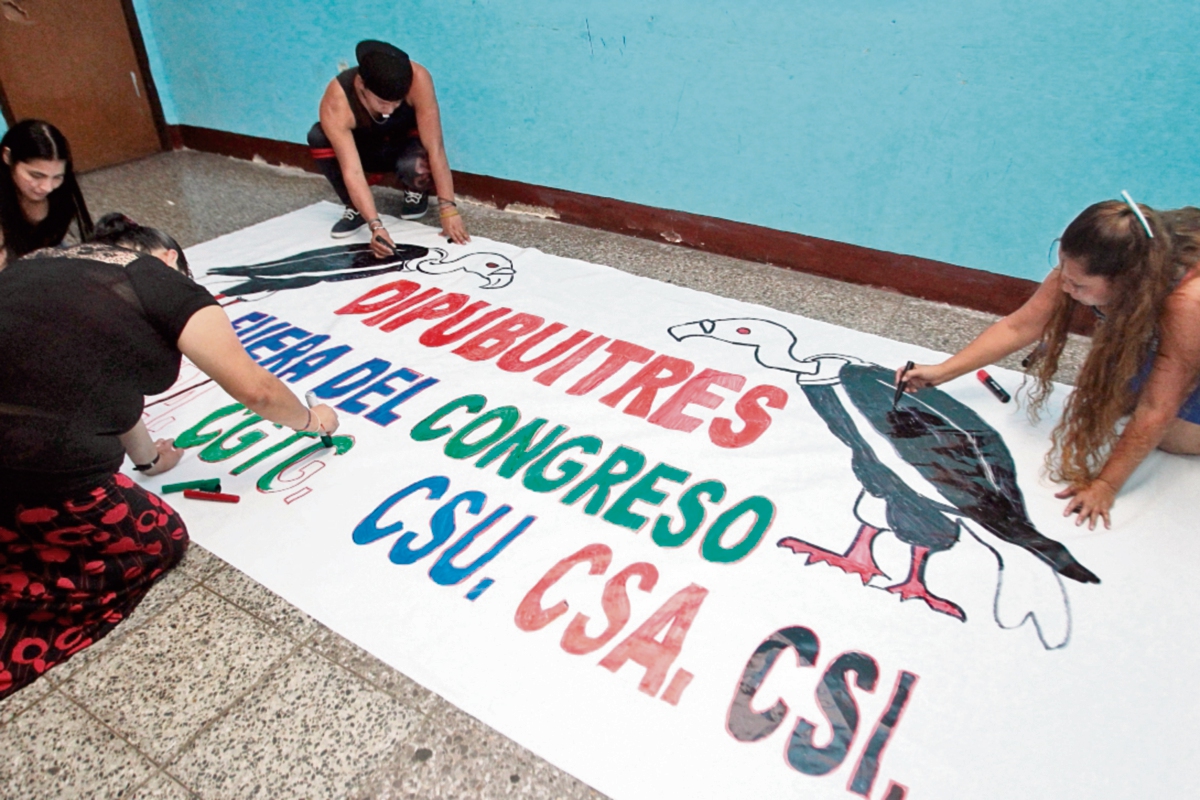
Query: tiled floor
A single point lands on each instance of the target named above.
(217, 688)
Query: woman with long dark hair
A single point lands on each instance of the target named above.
(39, 196)
(1139, 270)
(119, 230)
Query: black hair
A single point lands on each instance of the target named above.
(29, 140)
(121, 231)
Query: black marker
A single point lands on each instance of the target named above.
(901, 384)
(993, 387)
(326, 439)
(384, 242)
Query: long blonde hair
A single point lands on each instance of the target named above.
(1109, 241)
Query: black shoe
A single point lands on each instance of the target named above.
(348, 224)
(415, 205)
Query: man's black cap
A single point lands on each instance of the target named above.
(385, 69)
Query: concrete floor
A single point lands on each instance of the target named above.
(217, 688)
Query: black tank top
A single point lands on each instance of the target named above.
(370, 135)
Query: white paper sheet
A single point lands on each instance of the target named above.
(1091, 701)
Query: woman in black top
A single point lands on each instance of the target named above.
(149, 457)
(87, 332)
(39, 196)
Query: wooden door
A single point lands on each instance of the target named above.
(74, 63)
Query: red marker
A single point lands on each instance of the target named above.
(993, 387)
(216, 497)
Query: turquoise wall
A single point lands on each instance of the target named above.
(963, 132)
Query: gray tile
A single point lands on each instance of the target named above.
(454, 755)
(23, 699)
(859, 308)
(62, 752)
(171, 676)
(350, 656)
(198, 196)
(199, 564)
(251, 596)
(938, 326)
(166, 591)
(162, 786)
(310, 730)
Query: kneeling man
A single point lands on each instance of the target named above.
(382, 116)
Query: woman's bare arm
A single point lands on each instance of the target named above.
(1019, 329)
(141, 449)
(209, 342)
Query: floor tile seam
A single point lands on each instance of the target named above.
(99, 720)
(221, 713)
(64, 688)
(34, 704)
(191, 794)
(269, 623)
(422, 717)
(204, 581)
(424, 714)
(124, 633)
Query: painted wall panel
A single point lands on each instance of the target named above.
(968, 133)
(158, 67)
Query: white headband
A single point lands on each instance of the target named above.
(1141, 217)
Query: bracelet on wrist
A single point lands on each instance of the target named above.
(444, 202)
(145, 467)
(447, 214)
(307, 424)
(375, 224)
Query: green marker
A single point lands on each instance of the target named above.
(206, 485)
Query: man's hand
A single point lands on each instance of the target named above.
(454, 229)
(382, 245)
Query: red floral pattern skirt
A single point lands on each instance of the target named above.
(73, 569)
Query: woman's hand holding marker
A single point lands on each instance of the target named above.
(315, 410)
(919, 376)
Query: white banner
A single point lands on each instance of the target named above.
(684, 546)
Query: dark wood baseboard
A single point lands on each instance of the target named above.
(239, 145)
(909, 275)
